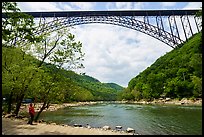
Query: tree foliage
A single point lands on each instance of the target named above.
(177, 74)
(17, 27)
(36, 68)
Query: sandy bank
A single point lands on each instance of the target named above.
(20, 127)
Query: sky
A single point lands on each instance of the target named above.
(113, 54)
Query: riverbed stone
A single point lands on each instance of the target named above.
(118, 127)
(77, 125)
(130, 130)
(168, 99)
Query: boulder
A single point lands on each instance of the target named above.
(118, 127)
(88, 126)
(130, 130)
(168, 99)
(77, 125)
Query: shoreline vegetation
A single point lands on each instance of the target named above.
(54, 107)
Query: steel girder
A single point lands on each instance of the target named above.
(124, 21)
(170, 36)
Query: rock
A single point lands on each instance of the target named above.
(77, 125)
(168, 99)
(40, 121)
(118, 127)
(106, 127)
(88, 126)
(129, 130)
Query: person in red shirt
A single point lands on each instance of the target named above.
(32, 113)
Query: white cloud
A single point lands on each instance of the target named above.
(111, 57)
(83, 5)
(168, 4)
(124, 5)
(38, 6)
(193, 5)
(55, 6)
(112, 53)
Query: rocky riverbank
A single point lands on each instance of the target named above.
(54, 107)
(20, 127)
(23, 112)
(169, 101)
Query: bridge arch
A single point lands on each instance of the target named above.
(170, 36)
(128, 22)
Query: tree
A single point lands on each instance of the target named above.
(197, 92)
(16, 73)
(17, 27)
(58, 48)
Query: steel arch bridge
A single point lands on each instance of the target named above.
(150, 22)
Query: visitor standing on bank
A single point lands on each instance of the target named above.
(32, 114)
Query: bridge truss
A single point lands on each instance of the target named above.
(167, 26)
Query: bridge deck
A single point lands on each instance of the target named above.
(112, 13)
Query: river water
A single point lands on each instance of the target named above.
(145, 119)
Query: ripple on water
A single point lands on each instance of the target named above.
(145, 119)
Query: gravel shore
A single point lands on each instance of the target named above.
(20, 127)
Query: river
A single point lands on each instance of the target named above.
(145, 119)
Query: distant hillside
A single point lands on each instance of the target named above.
(177, 74)
(78, 87)
(115, 86)
(100, 91)
(88, 78)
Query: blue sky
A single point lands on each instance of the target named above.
(114, 53)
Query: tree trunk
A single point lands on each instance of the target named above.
(18, 105)
(41, 109)
(9, 103)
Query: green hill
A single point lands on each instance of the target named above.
(177, 74)
(115, 86)
(77, 88)
(100, 91)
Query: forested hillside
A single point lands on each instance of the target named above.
(70, 86)
(177, 74)
(99, 91)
